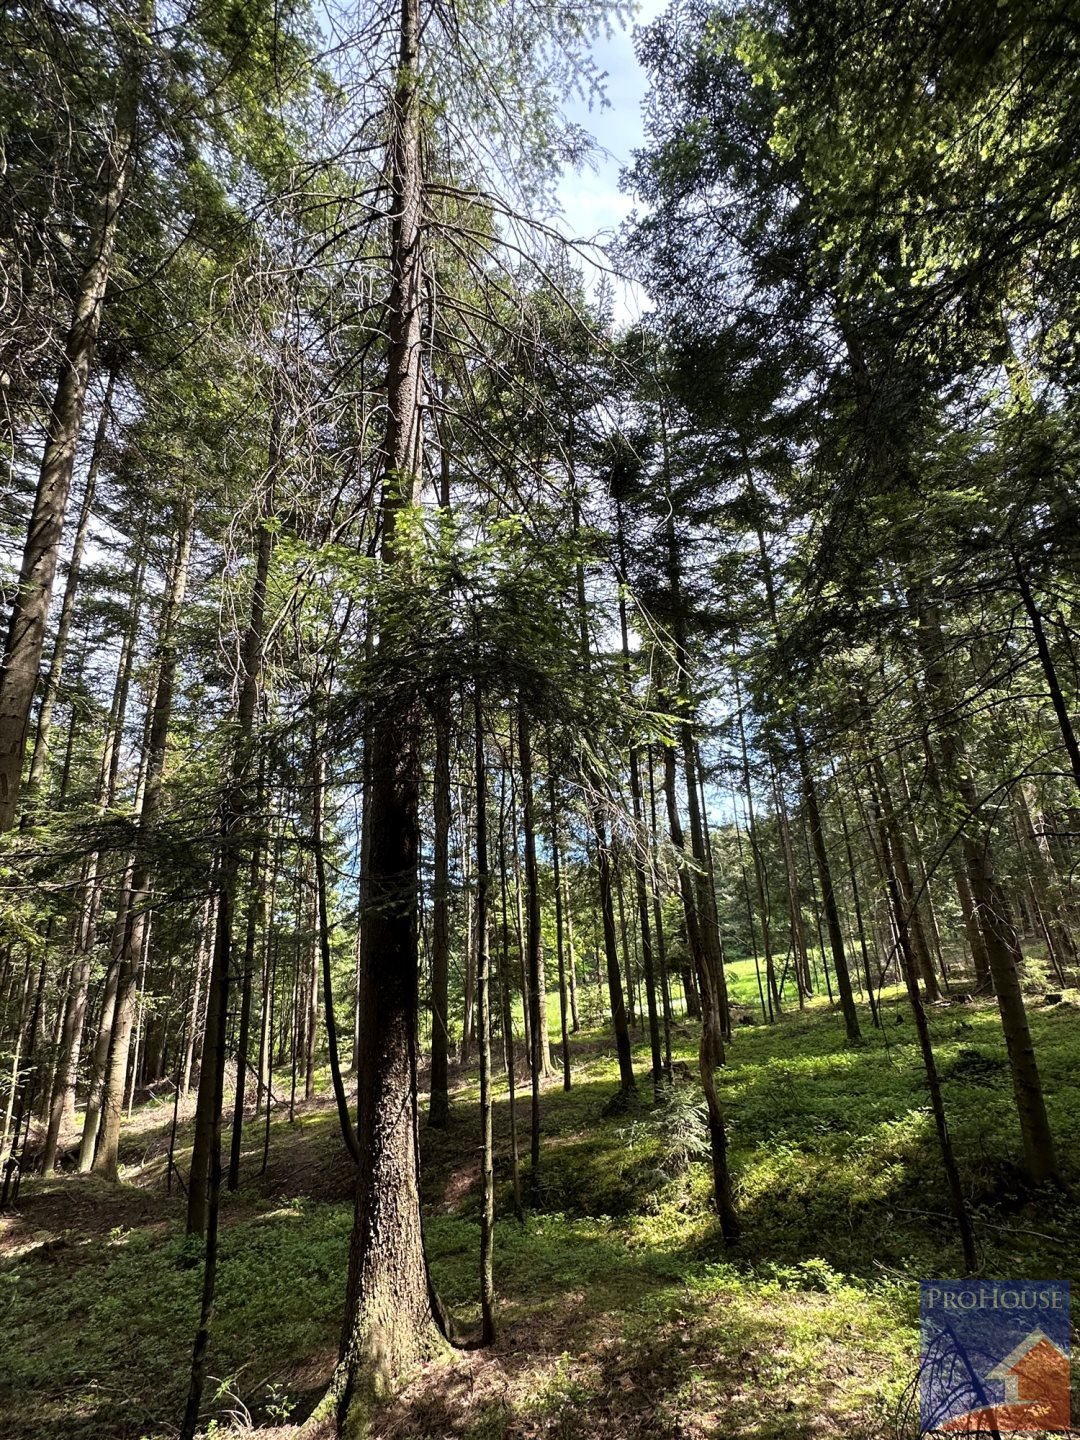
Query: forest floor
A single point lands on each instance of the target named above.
(620, 1312)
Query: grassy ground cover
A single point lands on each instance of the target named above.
(620, 1311)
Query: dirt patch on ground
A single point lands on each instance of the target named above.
(54, 1214)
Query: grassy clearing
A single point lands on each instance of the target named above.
(620, 1311)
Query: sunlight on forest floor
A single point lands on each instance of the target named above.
(620, 1312)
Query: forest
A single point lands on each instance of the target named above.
(539, 832)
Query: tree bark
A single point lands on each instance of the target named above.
(318, 796)
(483, 1006)
(760, 880)
(901, 911)
(439, 1102)
(1003, 951)
(708, 920)
(392, 1317)
(255, 901)
(560, 946)
(51, 689)
(711, 1048)
(90, 899)
(1046, 660)
(106, 1160)
(658, 916)
(536, 996)
(509, 1058)
(828, 895)
(205, 1177)
(29, 615)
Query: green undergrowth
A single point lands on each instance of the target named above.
(620, 1311)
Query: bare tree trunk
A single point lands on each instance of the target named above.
(711, 1050)
(901, 910)
(708, 919)
(266, 1016)
(202, 955)
(439, 1102)
(828, 895)
(641, 887)
(687, 890)
(804, 977)
(256, 898)
(318, 798)
(627, 1080)
(571, 966)
(507, 1012)
(519, 915)
(766, 1003)
(17, 1055)
(775, 1007)
(483, 968)
(95, 1098)
(560, 946)
(365, 865)
(311, 997)
(205, 1177)
(22, 1106)
(139, 895)
(90, 898)
(922, 877)
(871, 994)
(658, 916)
(536, 997)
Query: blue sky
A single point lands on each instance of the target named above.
(591, 202)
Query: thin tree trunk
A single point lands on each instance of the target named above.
(871, 993)
(536, 996)
(439, 1103)
(318, 794)
(23, 1106)
(507, 1011)
(922, 876)
(623, 1050)
(760, 881)
(711, 1049)
(266, 1019)
(1046, 660)
(1002, 948)
(625, 947)
(106, 1160)
(483, 967)
(690, 899)
(205, 1178)
(658, 916)
(256, 895)
(828, 894)
(560, 948)
(202, 955)
(766, 1003)
(901, 915)
(571, 964)
(311, 998)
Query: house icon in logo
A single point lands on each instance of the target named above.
(1036, 1379)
